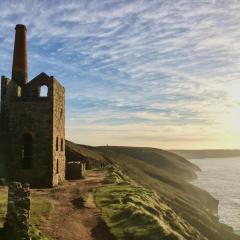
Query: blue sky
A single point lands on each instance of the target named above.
(143, 73)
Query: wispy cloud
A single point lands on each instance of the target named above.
(154, 73)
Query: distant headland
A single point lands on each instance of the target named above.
(207, 153)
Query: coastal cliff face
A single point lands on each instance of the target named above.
(151, 192)
(169, 176)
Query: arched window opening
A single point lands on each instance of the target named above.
(27, 151)
(57, 169)
(43, 91)
(19, 91)
(62, 145)
(57, 144)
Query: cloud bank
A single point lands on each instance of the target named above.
(144, 73)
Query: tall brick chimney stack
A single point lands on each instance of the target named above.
(19, 67)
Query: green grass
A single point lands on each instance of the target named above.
(167, 174)
(36, 234)
(40, 210)
(136, 213)
(125, 214)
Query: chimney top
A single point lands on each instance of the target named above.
(20, 26)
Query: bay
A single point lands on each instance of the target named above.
(221, 178)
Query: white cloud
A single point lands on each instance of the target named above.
(129, 66)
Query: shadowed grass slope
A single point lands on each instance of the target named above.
(87, 154)
(168, 175)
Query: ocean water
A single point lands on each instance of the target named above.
(221, 178)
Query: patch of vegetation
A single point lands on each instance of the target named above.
(136, 213)
(40, 210)
(115, 175)
(36, 234)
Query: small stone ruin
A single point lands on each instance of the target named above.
(75, 170)
(18, 211)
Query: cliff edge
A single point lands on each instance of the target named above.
(166, 174)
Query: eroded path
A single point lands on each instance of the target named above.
(69, 221)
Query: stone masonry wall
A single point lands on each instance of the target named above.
(59, 160)
(18, 212)
(43, 118)
(35, 120)
(3, 117)
(75, 170)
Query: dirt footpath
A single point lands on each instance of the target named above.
(69, 221)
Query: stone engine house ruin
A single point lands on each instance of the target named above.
(33, 118)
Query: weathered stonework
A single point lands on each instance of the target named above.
(18, 212)
(75, 170)
(35, 124)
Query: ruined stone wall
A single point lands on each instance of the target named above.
(3, 117)
(75, 170)
(43, 118)
(33, 118)
(6, 88)
(4, 155)
(18, 212)
(59, 160)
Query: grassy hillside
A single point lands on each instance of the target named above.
(168, 174)
(156, 193)
(134, 212)
(77, 152)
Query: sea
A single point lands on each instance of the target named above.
(221, 178)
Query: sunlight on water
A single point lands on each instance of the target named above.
(221, 178)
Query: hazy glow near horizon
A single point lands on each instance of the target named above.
(143, 73)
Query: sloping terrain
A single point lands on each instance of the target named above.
(67, 212)
(134, 212)
(74, 215)
(157, 192)
(168, 174)
(87, 154)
